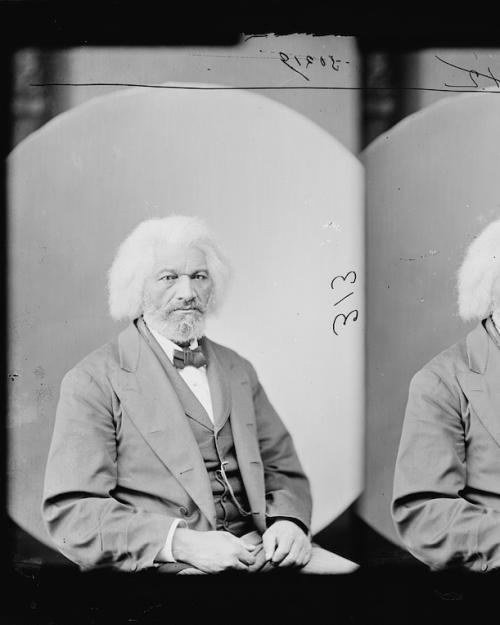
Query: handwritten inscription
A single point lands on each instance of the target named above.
(301, 64)
(475, 79)
(341, 284)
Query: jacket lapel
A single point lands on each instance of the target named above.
(153, 405)
(218, 384)
(244, 429)
(481, 383)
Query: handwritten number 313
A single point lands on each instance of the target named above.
(341, 319)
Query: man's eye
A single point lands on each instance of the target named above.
(168, 277)
(200, 276)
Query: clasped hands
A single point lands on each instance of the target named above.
(283, 544)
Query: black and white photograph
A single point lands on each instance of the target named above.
(252, 327)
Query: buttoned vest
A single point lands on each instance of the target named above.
(216, 445)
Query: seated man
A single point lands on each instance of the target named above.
(166, 451)
(446, 502)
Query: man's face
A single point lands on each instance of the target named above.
(177, 293)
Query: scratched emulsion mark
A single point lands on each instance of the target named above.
(330, 226)
(333, 226)
(29, 406)
(342, 287)
(43, 395)
(421, 257)
(39, 372)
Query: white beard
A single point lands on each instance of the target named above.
(177, 327)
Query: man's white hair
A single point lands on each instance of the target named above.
(479, 275)
(136, 257)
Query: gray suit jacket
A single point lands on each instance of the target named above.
(124, 463)
(446, 503)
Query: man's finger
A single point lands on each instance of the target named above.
(244, 544)
(283, 549)
(293, 555)
(245, 557)
(303, 556)
(191, 570)
(269, 543)
(239, 566)
(258, 551)
(260, 561)
(308, 552)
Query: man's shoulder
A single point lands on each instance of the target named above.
(99, 363)
(229, 356)
(452, 358)
(445, 366)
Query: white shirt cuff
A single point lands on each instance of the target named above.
(165, 554)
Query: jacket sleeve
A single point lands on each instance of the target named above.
(287, 488)
(438, 525)
(86, 522)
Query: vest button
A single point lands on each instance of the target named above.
(183, 510)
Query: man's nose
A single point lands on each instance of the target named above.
(184, 288)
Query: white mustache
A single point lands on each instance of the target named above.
(185, 307)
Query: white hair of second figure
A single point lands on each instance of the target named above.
(479, 276)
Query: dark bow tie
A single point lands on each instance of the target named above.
(186, 357)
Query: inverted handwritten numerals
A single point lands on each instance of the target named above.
(300, 64)
(474, 76)
(341, 284)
